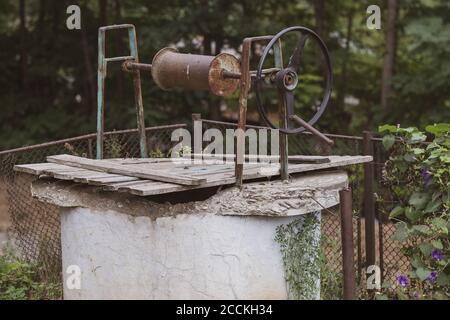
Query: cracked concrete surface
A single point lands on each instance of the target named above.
(302, 194)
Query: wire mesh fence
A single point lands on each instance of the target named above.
(36, 225)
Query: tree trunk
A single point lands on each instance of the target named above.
(389, 56)
(90, 76)
(102, 7)
(23, 45)
(118, 44)
(342, 89)
(319, 14)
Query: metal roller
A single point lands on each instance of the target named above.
(171, 69)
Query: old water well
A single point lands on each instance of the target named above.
(159, 229)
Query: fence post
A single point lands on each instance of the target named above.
(196, 117)
(369, 203)
(348, 265)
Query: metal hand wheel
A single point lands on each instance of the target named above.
(287, 81)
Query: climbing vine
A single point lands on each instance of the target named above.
(299, 245)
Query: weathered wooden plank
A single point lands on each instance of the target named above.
(265, 171)
(37, 168)
(215, 174)
(103, 181)
(265, 158)
(128, 170)
(115, 186)
(335, 161)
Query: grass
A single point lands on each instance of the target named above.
(20, 280)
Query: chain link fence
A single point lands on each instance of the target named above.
(36, 225)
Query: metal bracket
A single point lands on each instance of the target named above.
(101, 75)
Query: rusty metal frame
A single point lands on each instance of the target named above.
(244, 87)
(101, 75)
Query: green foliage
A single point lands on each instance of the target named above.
(330, 277)
(299, 247)
(52, 93)
(19, 280)
(418, 175)
(157, 153)
(113, 147)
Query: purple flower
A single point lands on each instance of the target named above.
(426, 175)
(402, 280)
(432, 277)
(437, 255)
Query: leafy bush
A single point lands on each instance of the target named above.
(418, 175)
(19, 280)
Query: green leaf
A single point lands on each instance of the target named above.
(437, 244)
(433, 205)
(417, 262)
(381, 297)
(388, 141)
(445, 158)
(409, 157)
(423, 273)
(401, 232)
(443, 279)
(438, 129)
(423, 229)
(397, 211)
(412, 215)
(417, 137)
(426, 249)
(440, 224)
(418, 151)
(419, 200)
(387, 127)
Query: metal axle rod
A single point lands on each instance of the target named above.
(311, 129)
(129, 66)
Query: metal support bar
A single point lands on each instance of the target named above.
(243, 96)
(369, 203)
(347, 243)
(244, 88)
(101, 75)
(311, 129)
(282, 111)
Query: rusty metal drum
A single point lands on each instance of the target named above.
(171, 69)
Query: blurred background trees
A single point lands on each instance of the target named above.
(398, 74)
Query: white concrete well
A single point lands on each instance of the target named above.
(225, 246)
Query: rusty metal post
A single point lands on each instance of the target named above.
(369, 203)
(101, 75)
(138, 95)
(283, 138)
(348, 266)
(243, 96)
